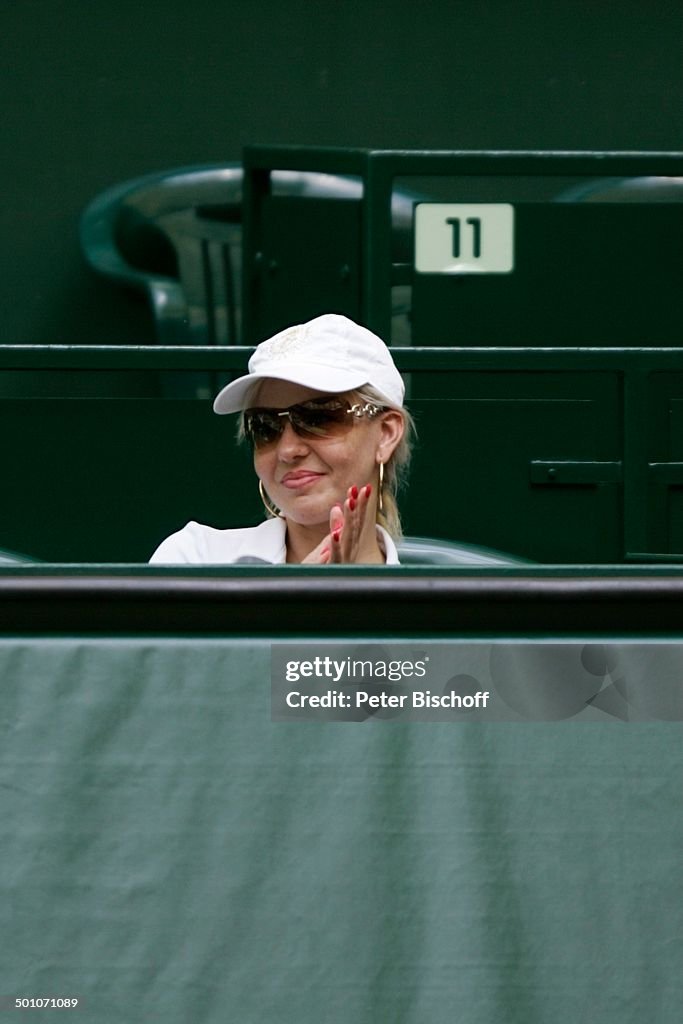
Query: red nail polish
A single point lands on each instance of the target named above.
(352, 504)
(368, 489)
(354, 492)
(336, 535)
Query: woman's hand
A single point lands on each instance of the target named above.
(346, 525)
(342, 544)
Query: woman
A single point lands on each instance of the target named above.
(322, 407)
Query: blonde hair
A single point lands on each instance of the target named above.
(395, 468)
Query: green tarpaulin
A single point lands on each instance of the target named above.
(169, 853)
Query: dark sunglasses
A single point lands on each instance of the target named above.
(320, 417)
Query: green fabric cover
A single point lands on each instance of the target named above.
(170, 854)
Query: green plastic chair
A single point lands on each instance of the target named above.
(14, 558)
(176, 236)
(430, 551)
(645, 189)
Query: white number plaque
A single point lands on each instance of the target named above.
(464, 238)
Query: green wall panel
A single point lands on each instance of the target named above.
(569, 456)
(479, 434)
(603, 274)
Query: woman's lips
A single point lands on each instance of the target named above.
(300, 478)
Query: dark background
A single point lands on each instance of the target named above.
(95, 93)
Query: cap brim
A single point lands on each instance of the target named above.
(238, 395)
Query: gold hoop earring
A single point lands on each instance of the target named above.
(270, 507)
(380, 503)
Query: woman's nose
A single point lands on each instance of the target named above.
(290, 443)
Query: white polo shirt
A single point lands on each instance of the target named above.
(196, 544)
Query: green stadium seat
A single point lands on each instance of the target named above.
(430, 551)
(176, 237)
(14, 558)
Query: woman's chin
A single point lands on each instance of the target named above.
(305, 509)
(307, 514)
(309, 522)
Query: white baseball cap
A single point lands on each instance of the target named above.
(330, 354)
